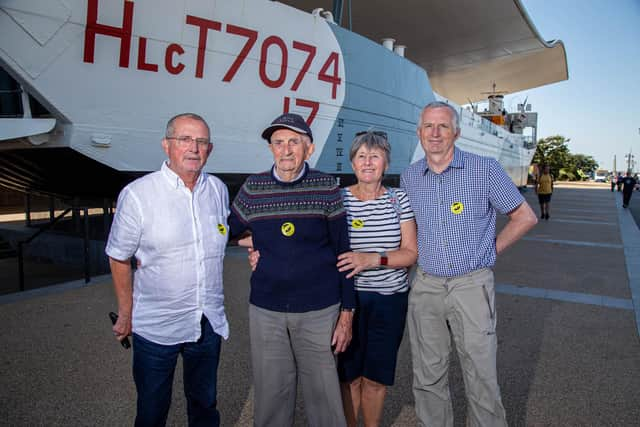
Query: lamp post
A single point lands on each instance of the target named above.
(630, 161)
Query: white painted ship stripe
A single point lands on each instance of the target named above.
(573, 242)
(566, 296)
(581, 221)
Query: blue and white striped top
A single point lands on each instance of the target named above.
(374, 227)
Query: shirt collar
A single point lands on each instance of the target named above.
(174, 179)
(300, 175)
(457, 162)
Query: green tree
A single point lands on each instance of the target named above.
(584, 165)
(564, 165)
(552, 151)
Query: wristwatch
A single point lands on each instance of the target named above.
(384, 260)
(348, 310)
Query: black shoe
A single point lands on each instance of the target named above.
(624, 206)
(546, 216)
(541, 216)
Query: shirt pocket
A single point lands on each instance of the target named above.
(216, 235)
(479, 207)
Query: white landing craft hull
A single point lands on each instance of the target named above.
(110, 73)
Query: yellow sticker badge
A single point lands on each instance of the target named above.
(222, 229)
(457, 208)
(288, 229)
(357, 223)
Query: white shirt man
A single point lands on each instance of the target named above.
(174, 222)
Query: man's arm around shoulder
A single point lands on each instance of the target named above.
(521, 220)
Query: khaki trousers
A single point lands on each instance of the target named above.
(468, 304)
(286, 347)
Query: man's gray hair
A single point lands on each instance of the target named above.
(440, 104)
(172, 121)
(371, 139)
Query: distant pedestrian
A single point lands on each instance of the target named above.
(613, 182)
(619, 181)
(629, 183)
(544, 189)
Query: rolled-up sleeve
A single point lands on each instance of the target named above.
(126, 229)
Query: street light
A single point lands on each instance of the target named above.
(630, 161)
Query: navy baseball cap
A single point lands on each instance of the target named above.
(288, 121)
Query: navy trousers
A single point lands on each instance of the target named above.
(153, 368)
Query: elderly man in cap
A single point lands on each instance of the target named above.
(301, 306)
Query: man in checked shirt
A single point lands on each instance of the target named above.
(455, 196)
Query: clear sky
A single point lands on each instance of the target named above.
(599, 106)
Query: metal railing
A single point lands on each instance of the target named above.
(48, 226)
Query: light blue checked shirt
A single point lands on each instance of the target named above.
(456, 212)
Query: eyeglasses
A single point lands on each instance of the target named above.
(186, 140)
(373, 132)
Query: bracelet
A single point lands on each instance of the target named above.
(384, 259)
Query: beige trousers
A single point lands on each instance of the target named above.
(468, 304)
(285, 348)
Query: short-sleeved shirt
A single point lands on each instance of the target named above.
(545, 184)
(179, 237)
(374, 226)
(456, 212)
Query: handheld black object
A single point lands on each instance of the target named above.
(114, 318)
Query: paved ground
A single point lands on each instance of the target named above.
(569, 353)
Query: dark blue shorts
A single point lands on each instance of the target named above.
(378, 327)
(544, 198)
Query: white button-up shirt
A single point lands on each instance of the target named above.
(178, 237)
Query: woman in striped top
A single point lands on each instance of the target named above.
(382, 234)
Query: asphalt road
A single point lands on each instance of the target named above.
(569, 353)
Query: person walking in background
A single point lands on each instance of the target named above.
(382, 234)
(544, 189)
(619, 181)
(455, 196)
(613, 182)
(629, 183)
(174, 222)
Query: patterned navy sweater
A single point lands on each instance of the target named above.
(299, 227)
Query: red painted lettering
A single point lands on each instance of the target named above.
(168, 58)
(142, 57)
(205, 25)
(93, 28)
(251, 36)
(329, 72)
(334, 78)
(311, 51)
(269, 41)
(314, 105)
